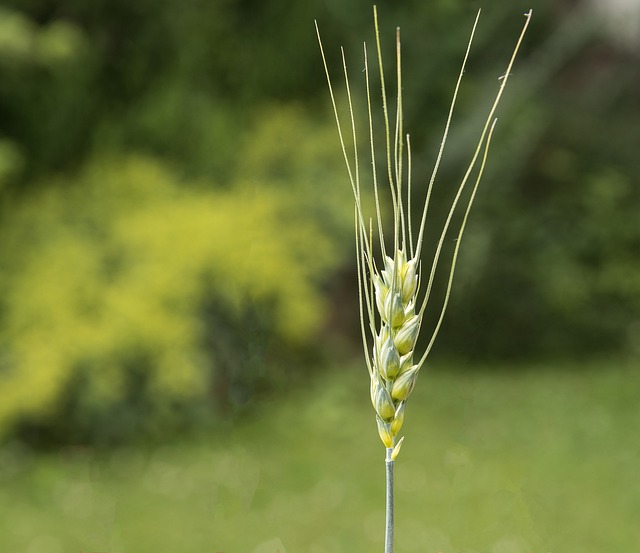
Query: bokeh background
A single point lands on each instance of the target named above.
(180, 365)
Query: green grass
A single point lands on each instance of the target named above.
(535, 461)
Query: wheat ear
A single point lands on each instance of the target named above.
(391, 309)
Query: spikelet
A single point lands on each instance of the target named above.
(392, 303)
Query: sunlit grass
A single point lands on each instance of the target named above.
(497, 461)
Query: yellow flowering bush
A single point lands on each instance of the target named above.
(105, 279)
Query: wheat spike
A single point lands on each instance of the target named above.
(391, 309)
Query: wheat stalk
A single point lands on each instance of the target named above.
(389, 290)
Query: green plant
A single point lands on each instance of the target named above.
(391, 309)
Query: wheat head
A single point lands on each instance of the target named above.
(393, 293)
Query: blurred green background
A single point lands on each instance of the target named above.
(179, 346)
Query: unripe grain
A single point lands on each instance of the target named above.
(398, 419)
(404, 384)
(393, 310)
(409, 281)
(384, 430)
(389, 360)
(383, 403)
(406, 336)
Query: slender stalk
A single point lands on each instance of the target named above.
(388, 538)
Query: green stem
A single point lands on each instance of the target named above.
(388, 539)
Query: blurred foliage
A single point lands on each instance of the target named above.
(123, 273)
(556, 266)
(109, 309)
